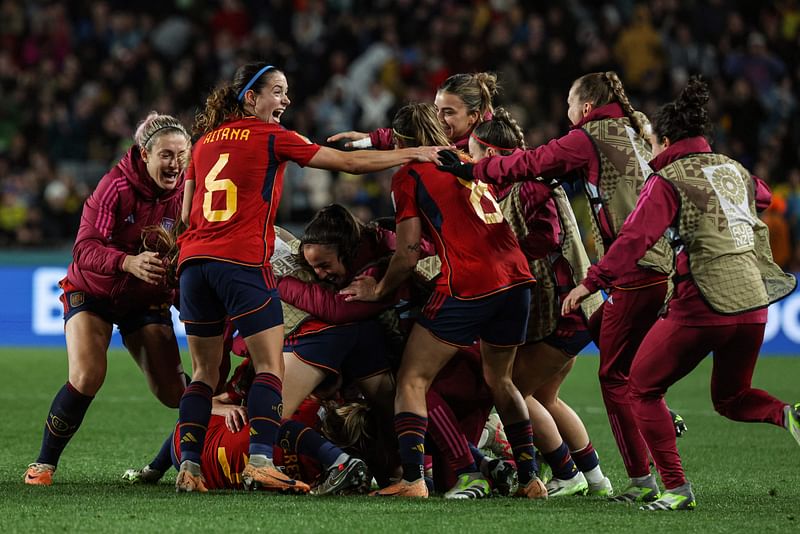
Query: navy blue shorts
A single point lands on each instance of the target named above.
(214, 290)
(570, 341)
(79, 301)
(500, 319)
(356, 351)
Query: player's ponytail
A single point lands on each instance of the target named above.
(226, 101)
(334, 226)
(602, 88)
(476, 90)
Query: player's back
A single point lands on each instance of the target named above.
(479, 252)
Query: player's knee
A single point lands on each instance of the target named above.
(88, 382)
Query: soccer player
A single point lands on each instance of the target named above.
(483, 291)
(607, 151)
(724, 280)
(462, 102)
(234, 184)
(111, 282)
(545, 225)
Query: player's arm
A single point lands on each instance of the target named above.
(409, 237)
(235, 415)
(364, 161)
(186, 208)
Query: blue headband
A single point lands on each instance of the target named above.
(252, 81)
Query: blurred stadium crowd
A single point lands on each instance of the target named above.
(76, 77)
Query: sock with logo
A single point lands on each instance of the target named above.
(65, 417)
(195, 412)
(303, 439)
(264, 408)
(520, 435)
(410, 429)
(561, 462)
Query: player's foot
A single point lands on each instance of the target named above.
(470, 486)
(190, 478)
(145, 475)
(269, 478)
(533, 490)
(678, 423)
(351, 475)
(576, 485)
(642, 491)
(40, 474)
(680, 498)
(502, 474)
(417, 489)
(601, 489)
(793, 421)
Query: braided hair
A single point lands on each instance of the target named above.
(502, 132)
(601, 88)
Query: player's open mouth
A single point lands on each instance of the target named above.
(277, 114)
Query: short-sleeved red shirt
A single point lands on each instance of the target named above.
(480, 254)
(238, 169)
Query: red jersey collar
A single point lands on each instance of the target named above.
(609, 111)
(678, 149)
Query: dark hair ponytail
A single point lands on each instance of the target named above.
(502, 132)
(334, 226)
(686, 116)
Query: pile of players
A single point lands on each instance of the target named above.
(476, 297)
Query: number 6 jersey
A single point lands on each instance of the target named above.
(238, 170)
(480, 254)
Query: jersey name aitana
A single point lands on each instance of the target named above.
(238, 171)
(480, 254)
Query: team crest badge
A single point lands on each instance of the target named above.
(76, 299)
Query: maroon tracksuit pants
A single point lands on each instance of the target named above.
(668, 353)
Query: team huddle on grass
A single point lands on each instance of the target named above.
(424, 354)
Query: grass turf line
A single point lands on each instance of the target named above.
(746, 476)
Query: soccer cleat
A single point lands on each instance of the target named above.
(470, 486)
(576, 485)
(669, 502)
(40, 474)
(503, 476)
(145, 475)
(351, 475)
(678, 423)
(269, 478)
(533, 490)
(190, 478)
(646, 492)
(600, 489)
(417, 489)
(793, 421)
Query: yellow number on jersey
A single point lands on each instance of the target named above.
(479, 190)
(212, 184)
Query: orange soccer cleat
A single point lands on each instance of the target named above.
(416, 489)
(269, 478)
(535, 489)
(40, 474)
(190, 479)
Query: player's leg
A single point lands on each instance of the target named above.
(669, 352)
(423, 358)
(299, 381)
(154, 348)
(627, 317)
(88, 337)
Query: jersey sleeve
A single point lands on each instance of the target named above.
(292, 146)
(404, 189)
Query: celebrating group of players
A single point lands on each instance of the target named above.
(477, 296)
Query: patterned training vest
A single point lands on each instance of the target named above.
(284, 263)
(623, 159)
(727, 244)
(545, 308)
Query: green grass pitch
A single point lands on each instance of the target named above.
(746, 476)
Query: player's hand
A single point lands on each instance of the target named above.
(362, 288)
(235, 416)
(146, 266)
(574, 299)
(450, 162)
(348, 136)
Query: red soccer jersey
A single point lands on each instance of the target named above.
(238, 170)
(478, 250)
